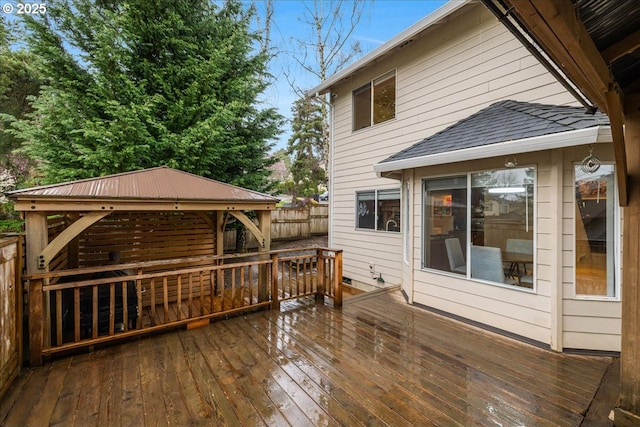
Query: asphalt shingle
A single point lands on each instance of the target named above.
(500, 122)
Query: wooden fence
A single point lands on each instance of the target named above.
(289, 223)
(10, 311)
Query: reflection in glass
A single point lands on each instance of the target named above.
(445, 216)
(499, 207)
(378, 210)
(366, 209)
(595, 231)
(388, 210)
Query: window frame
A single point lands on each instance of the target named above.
(617, 244)
(370, 87)
(375, 213)
(469, 231)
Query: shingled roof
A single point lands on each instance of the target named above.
(501, 122)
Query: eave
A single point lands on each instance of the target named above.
(593, 135)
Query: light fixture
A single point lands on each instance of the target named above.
(507, 190)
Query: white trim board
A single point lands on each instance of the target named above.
(592, 135)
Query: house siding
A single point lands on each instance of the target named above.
(584, 324)
(463, 65)
(520, 312)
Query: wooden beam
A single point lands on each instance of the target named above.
(555, 26)
(264, 220)
(616, 119)
(46, 255)
(264, 217)
(36, 240)
(84, 205)
(221, 225)
(250, 226)
(628, 45)
(628, 413)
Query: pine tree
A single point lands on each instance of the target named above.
(133, 84)
(305, 147)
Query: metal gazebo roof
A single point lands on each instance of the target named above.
(160, 188)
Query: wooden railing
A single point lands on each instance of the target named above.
(83, 307)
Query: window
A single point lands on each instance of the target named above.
(375, 102)
(378, 210)
(595, 231)
(481, 225)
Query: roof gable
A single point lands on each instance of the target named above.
(160, 183)
(501, 122)
(416, 30)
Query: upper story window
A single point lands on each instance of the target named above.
(375, 102)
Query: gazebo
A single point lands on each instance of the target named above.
(135, 252)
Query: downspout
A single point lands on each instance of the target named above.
(517, 33)
(332, 171)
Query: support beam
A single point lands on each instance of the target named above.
(46, 255)
(264, 219)
(628, 45)
(556, 27)
(251, 226)
(220, 226)
(616, 119)
(36, 241)
(628, 413)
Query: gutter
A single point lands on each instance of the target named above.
(592, 135)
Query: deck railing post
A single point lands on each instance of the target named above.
(320, 279)
(337, 280)
(275, 301)
(36, 322)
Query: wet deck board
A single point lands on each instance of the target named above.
(376, 362)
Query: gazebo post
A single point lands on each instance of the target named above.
(39, 316)
(72, 247)
(219, 230)
(264, 218)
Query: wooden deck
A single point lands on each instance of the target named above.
(376, 362)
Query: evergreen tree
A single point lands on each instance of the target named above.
(19, 82)
(305, 147)
(133, 84)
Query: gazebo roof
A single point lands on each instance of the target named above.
(159, 188)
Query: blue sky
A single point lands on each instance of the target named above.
(381, 21)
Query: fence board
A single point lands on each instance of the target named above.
(10, 312)
(288, 223)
